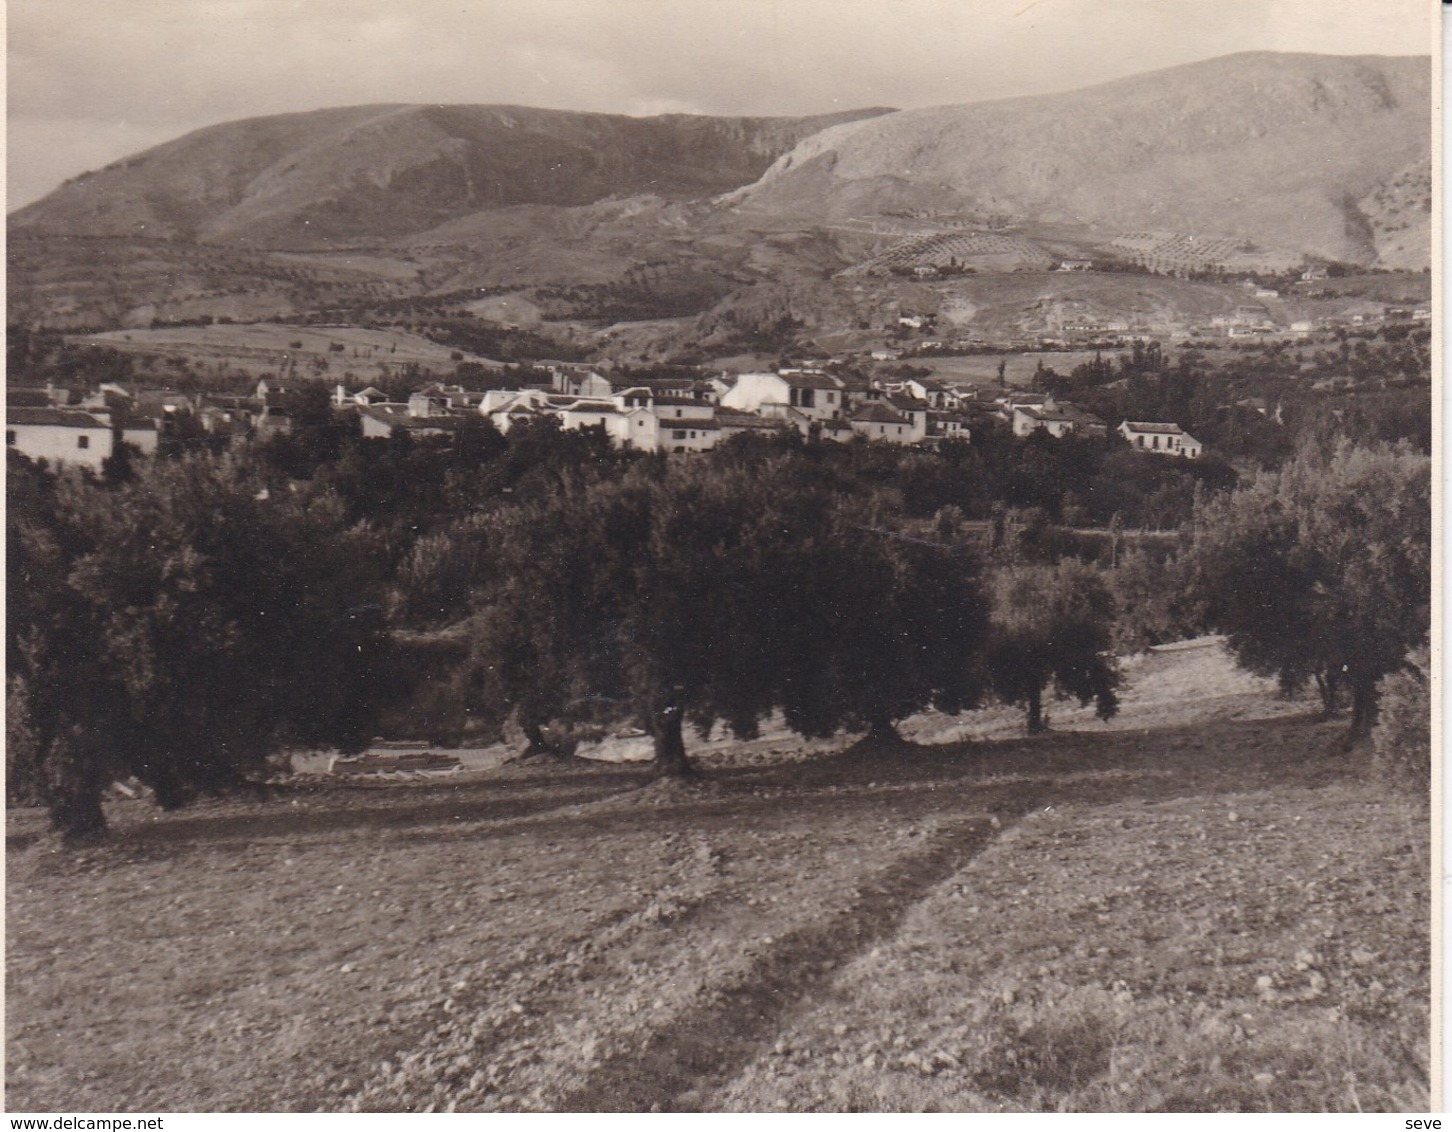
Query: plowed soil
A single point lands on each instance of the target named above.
(1205, 905)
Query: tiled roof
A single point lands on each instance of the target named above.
(811, 380)
(1043, 414)
(877, 413)
(64, 418)
(399, 418)
(1080, 416)
(1152, 426)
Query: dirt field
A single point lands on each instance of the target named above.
(1019, 369)
(266, 347)
(1202, 906)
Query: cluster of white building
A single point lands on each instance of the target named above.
(686, 415)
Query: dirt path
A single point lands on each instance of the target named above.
(707, 1046)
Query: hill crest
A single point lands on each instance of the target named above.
(378, 172)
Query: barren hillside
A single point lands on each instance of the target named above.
(375, 172)
(1274, 148)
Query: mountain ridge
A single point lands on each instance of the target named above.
(390, 169)
(1283, 159)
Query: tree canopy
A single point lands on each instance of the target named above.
(181, 628)
(1322, 569)
(713, 591)
(1053, 624)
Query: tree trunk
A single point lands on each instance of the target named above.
(170, 794)
(538, 744)
(1036, 724)
(670, 746)
(74, 782)
(1363, 711)
(1328, 687)
(883, 732)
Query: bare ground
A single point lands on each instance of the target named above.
(1203, 906)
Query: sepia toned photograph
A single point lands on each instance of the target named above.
(793, 556)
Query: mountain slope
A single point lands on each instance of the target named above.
(1300, 156)
(378, 172)
(1275, 148)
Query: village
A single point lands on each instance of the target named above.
(1263, 314)
(660, 415)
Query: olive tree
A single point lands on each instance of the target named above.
(1053, 625)
(183, 627)
(706, 591)
(1323, 569)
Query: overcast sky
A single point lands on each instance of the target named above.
(91, 81)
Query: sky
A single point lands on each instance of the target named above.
(92, 81)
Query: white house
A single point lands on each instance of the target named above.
(386, 418)
(59, 436)
(672, 409)
(878, 421)
(1027, 419)
(1166, 439)
(695, 434)
(1056, 419)
(936, 393)
(368, 396)
(143, 435)
(816, 396)
(914, 410)
(949, 425)
(732, 424)
(583, 412)
(578, 381)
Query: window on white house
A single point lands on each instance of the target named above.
(83, 442)
(678, 434)
(9, 436)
